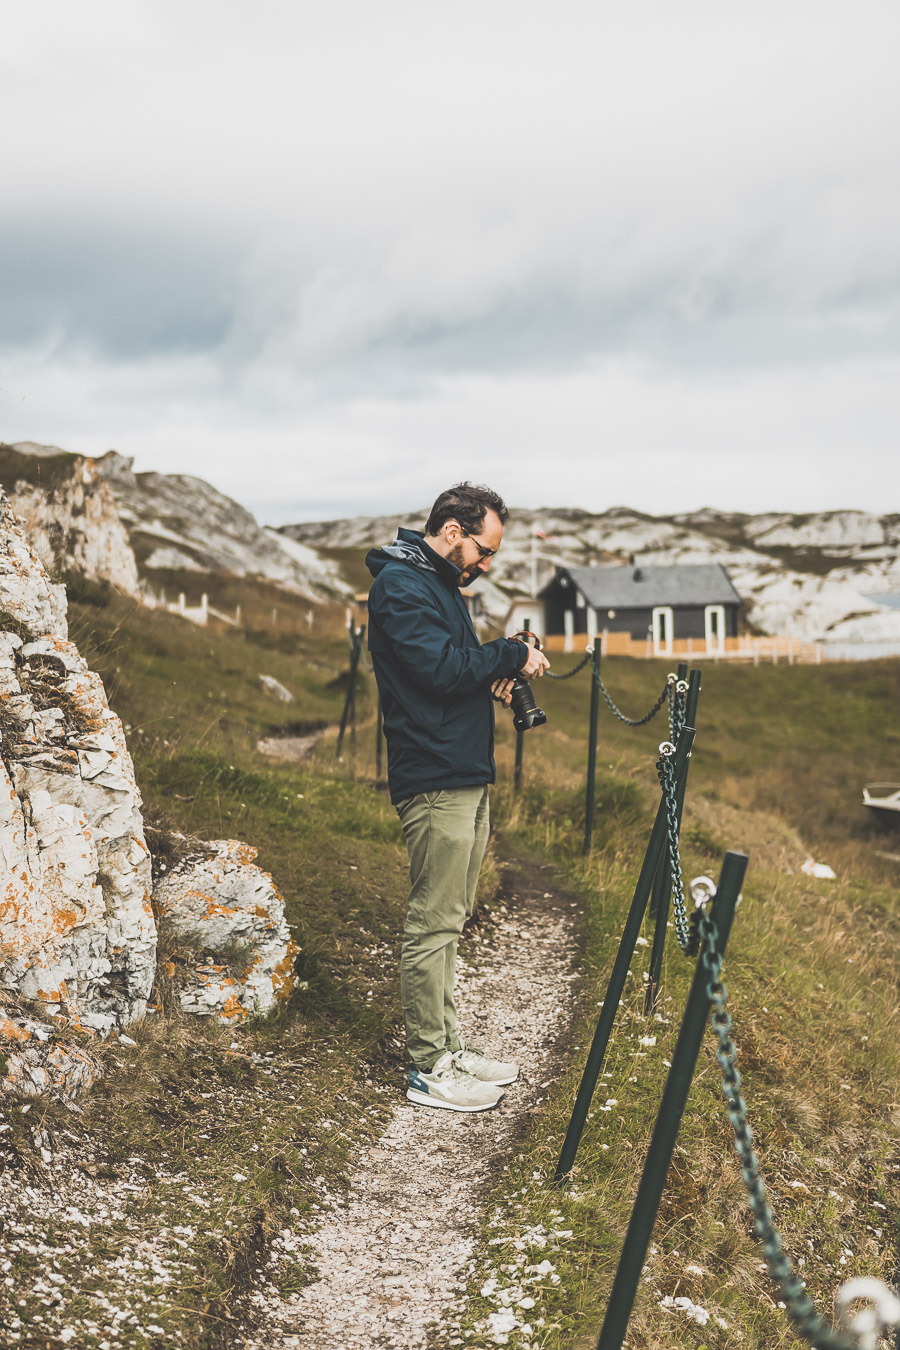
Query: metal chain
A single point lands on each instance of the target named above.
(676, 690)
(688, 941)
(633, 721)
(808, 1322)
(575, 669)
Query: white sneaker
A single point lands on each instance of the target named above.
(475, 1062)
(451, 1088)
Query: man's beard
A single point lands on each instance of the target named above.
(466, 574)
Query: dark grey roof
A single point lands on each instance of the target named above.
(635, 586)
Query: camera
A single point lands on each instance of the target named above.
(526, 713)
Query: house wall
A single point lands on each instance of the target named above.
(689, 620)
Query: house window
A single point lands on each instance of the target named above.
(714, 618)
(663, 629)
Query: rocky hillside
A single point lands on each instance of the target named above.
(179, 523)
(99, 519)
(831, 575)
(69, 514)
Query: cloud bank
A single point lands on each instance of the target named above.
(324, 259)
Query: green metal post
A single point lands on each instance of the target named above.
(379, 740)
(664, 872)
(616, 984)
(668, 1120)
(592, 747)
(520, 735)
(349, 701)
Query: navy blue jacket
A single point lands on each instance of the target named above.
(433, 674)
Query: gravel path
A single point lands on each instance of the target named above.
(392, 1257)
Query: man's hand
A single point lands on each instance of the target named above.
(535, 665)
(502, 691)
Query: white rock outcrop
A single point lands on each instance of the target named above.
(184, 522)
(77, 933)
(70, 517)
(236, 953)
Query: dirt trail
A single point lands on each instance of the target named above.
(392, 1256)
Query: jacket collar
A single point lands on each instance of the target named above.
(446, 570)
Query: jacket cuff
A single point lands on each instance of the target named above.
(522, 651)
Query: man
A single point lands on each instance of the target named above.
(436, 679)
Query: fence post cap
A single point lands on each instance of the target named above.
(869, 1323)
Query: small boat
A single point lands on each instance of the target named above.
(883, 799)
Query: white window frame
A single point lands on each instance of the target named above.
(715, 641)
(663, 617)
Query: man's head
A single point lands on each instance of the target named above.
(466, 527)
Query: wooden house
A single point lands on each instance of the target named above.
(659, 604)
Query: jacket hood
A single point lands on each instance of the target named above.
(410, 548)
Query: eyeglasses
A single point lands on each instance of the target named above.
(483, 552)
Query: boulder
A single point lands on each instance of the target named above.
(276, 689)
(77, 933)
(226, 919)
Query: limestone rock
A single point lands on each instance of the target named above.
(181, 521)
(76, 926)
(35, 1061)
(227, 917)
(276, 689)
(69, 515)
(28, 597)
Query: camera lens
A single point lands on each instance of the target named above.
(526, 713)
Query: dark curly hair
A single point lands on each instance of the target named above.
(466, 503)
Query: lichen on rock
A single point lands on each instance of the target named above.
(36, 1061)
(226, 918)
(77, 933)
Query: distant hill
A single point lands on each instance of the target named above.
(831, 575)
(827, 575)
(172, 522)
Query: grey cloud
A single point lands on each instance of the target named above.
(321, 234)
(123, 294)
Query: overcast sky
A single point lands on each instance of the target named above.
(332, 257)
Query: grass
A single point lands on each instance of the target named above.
(812, 976)
(780, 756)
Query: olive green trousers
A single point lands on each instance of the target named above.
(446, 835)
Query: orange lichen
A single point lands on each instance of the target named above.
(213, 908)
(11, 1032)
(232, 1008)
(283, 977)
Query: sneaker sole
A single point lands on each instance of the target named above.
(423, 1099)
